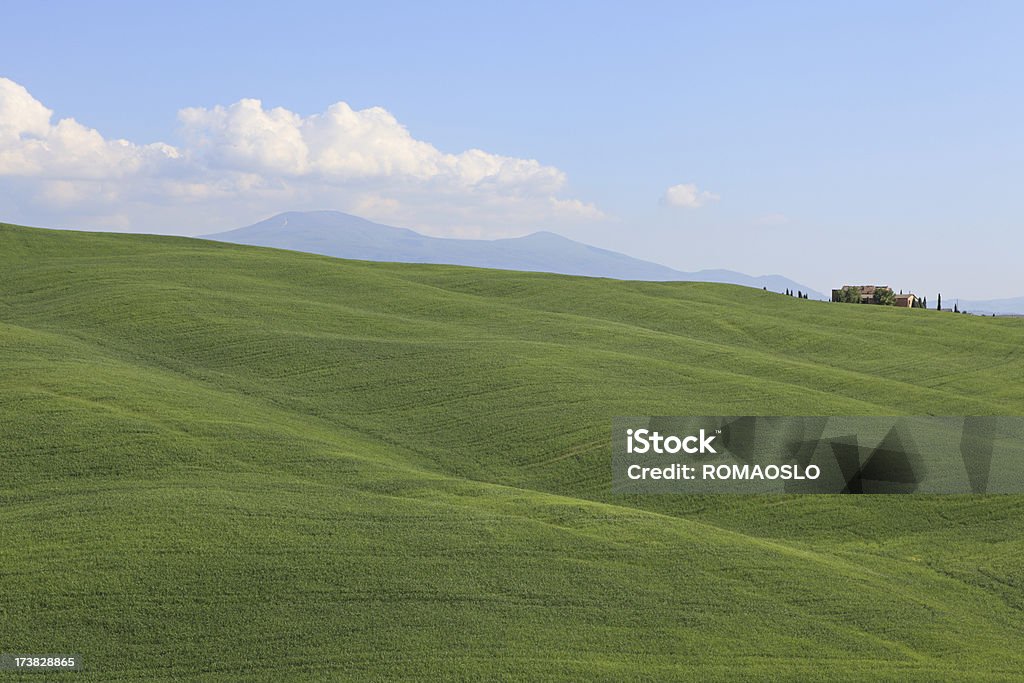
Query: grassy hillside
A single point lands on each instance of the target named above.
(228, 462)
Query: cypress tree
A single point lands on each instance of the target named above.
(938, 306)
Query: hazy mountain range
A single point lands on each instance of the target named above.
(341, 235)
(1013, 306)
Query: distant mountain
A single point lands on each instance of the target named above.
(997, 306)
(333, 233)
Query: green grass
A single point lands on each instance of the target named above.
(222, 462)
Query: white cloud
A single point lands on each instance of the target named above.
(343, 144)
(32, 145)
(245, 137)
(243, 161)
(687, 195)
(20, 113)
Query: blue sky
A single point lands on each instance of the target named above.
(829, 142)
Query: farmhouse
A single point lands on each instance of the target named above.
(873, 294)
(904, 300)
(867, 293)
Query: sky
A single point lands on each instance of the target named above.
(833, 143)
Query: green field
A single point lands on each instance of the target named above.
(232, 463)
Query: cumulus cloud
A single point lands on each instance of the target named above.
(20, 113)
(687, 195)
(244, 160)
(32, 145)
(343, 144)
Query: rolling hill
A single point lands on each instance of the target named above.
(224, 462)
(332, 233)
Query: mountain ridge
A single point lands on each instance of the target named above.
(341, 235)
(1008, 306)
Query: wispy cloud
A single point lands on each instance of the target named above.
(773, 220)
